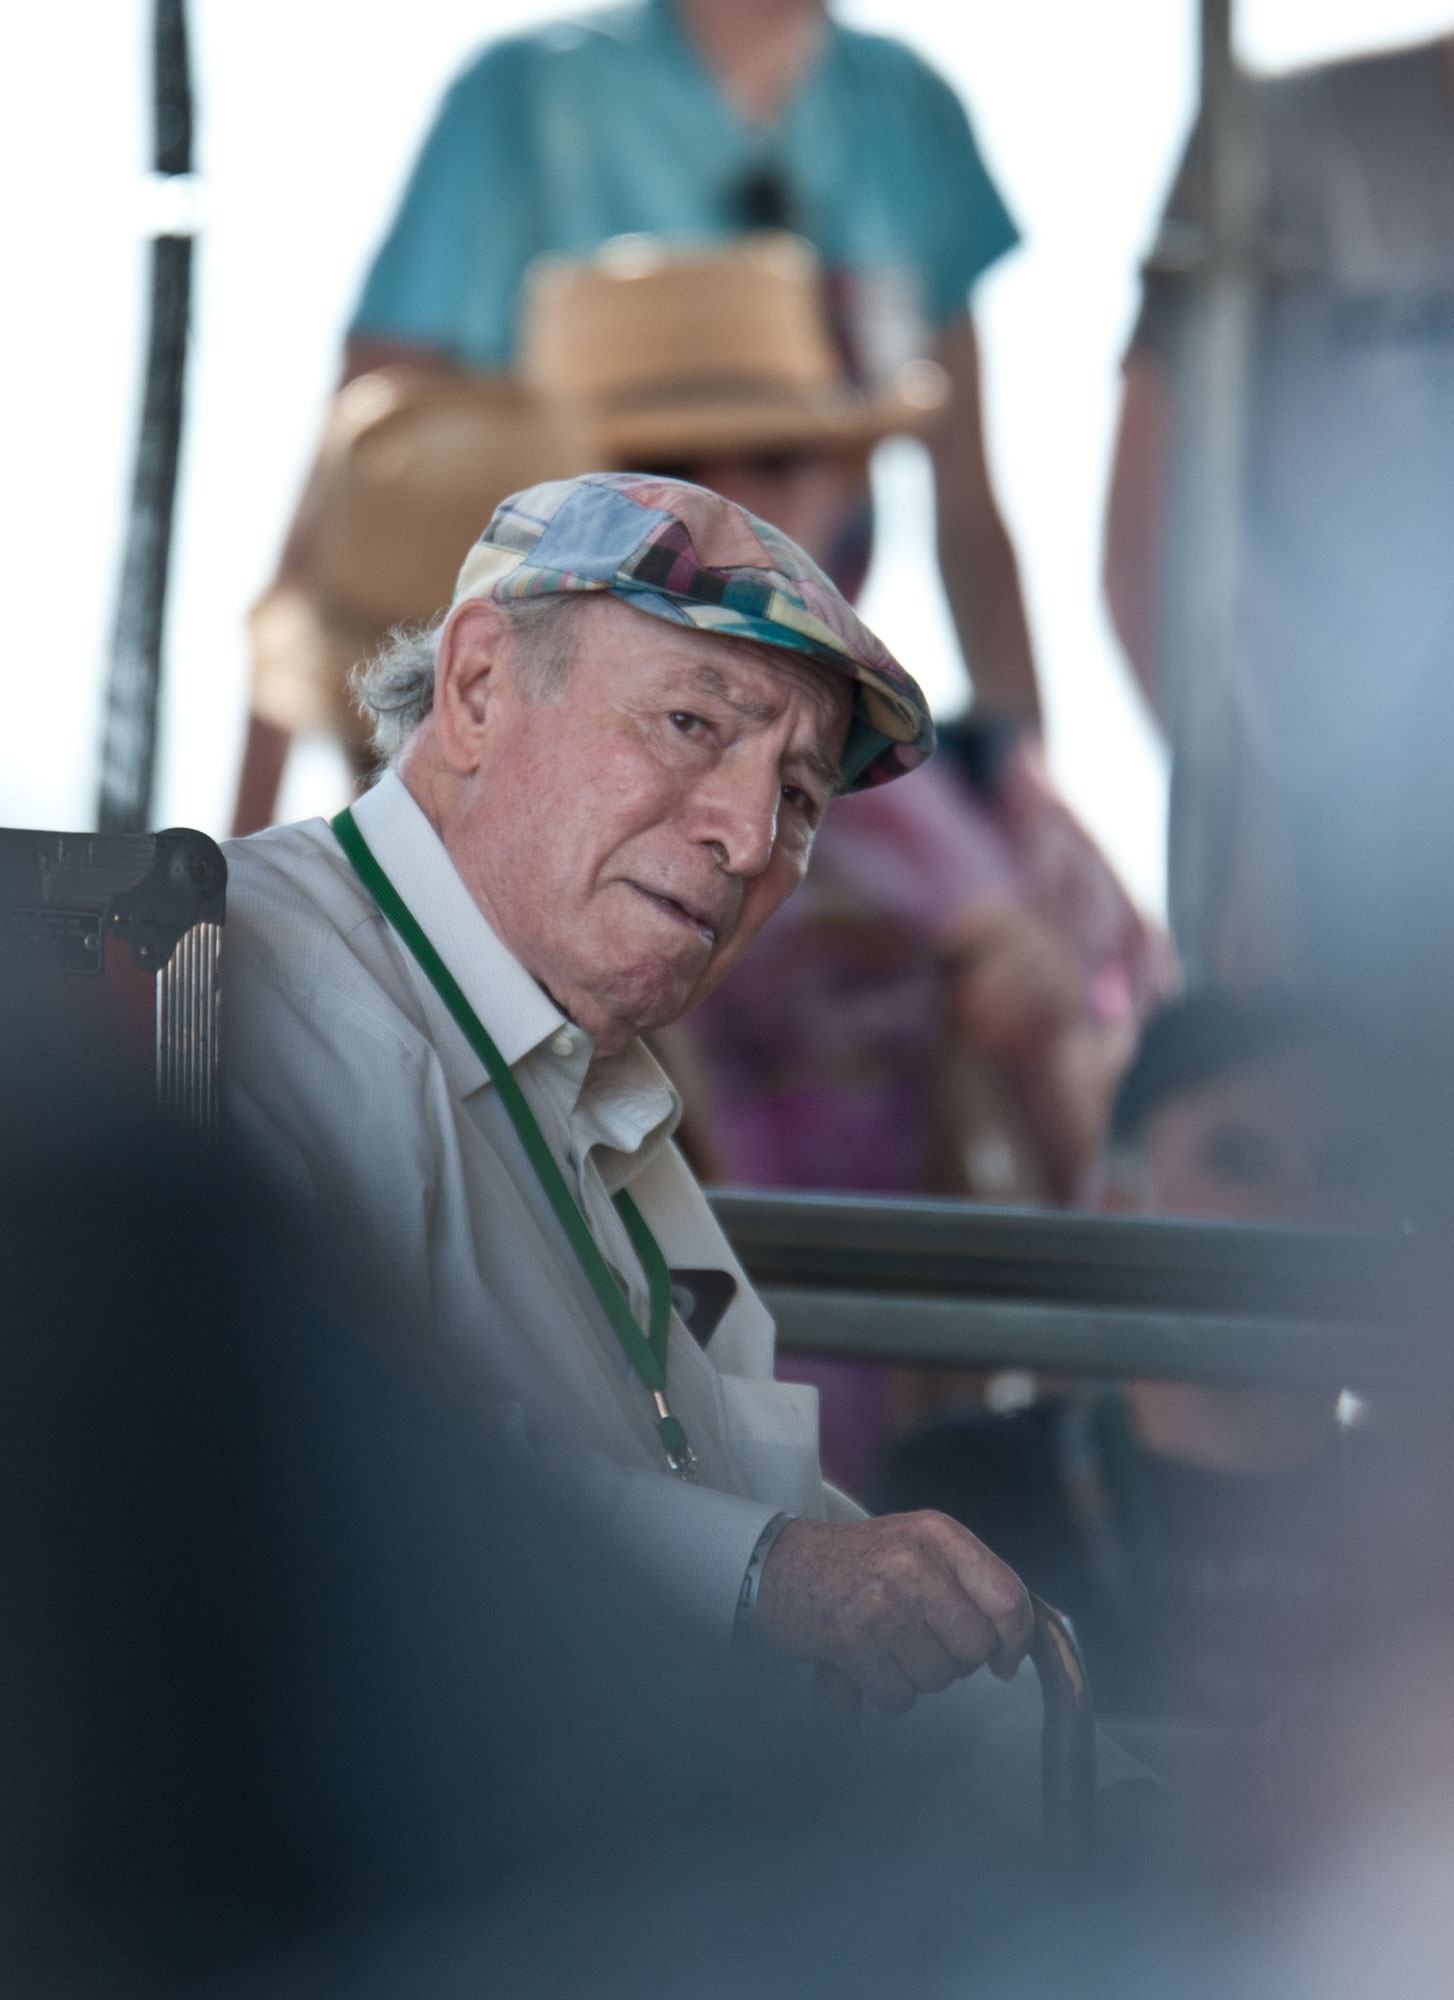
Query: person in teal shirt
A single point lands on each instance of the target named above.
(695, 120)
(614, 123)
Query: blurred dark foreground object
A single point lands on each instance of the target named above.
(306, 1691)
(296, 1670)
(280, 1643)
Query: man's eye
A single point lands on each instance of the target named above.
(686, 722)
(799, 801)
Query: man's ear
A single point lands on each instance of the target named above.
(467, 681)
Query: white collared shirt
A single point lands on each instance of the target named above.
(343, 1063)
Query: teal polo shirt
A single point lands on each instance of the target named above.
(610, 123)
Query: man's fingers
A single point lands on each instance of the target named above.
(884, 1683)
(960, 1627)
(995, 1592)
(927, 1663)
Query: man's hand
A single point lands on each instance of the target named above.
(902, 1605)
(1016, 981)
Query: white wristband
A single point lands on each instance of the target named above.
(745, 1621)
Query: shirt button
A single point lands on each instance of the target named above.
(563, 1044)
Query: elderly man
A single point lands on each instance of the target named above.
(605, 774)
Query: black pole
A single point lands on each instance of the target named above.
(128, 752)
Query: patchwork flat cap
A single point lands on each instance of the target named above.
(688, 556)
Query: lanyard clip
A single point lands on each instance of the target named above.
(679, 1454)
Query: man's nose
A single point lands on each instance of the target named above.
(736, 813)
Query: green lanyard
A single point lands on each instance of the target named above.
(645, 1351)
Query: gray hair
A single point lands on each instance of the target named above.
(394, 691)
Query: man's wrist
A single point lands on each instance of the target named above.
(982, 744)
(744, 1623)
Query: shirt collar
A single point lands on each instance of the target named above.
(626, 1104)
(624, 1113)
(670, 31)
(517, 1011)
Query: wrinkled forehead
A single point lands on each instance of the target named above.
(733, 665)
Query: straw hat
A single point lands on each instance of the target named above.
(411, 465)
(667, 353)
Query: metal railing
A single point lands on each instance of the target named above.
(920, 1282)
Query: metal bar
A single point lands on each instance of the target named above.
(941, 1283)
(924, 1331)
(128, 752)
(846, 1243)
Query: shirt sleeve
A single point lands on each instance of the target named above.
(838, 1507)
(696, 1542)
(692, 1542)
(964, 223)
(448, 273)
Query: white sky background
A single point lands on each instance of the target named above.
(309, 114)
